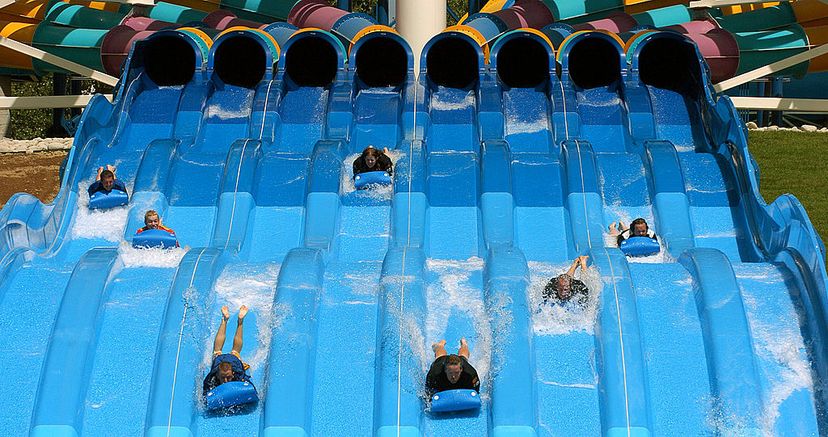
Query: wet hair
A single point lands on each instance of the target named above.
(639, 221)
(151, 213)
(225, 366)
(107, 174)
(371, 151)
(551, 289)
(453, 360)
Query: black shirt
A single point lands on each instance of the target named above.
(98, 186)
(579, 292)
(437, 380)
(627, 234)
(383, 164)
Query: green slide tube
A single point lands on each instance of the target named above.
(757, 49)
(175, 14)
(761, 19)
(263, 11)
(82, 16)
(663, 17)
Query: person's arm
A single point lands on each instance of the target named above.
(475, 380)
(387, 164)
(94, 188)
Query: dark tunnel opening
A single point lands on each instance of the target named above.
(240, 51)
(670, 64)
(452, 62)
(594, 62)
(311, 61)
(382, 62)
(169, 61)
(523, 63)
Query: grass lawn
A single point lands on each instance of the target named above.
(796, 163)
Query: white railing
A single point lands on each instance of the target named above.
(47, 102)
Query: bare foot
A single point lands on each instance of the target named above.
(463, 342)
(439, 344)
(242, 312)
(110, 168)
(225, 312)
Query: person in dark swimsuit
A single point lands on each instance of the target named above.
(564, 287)
(373, 160)
(227, 367)
(106, 182)
(450, 372)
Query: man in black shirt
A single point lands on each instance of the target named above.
(638, 228)
(562, 288)
(106, 182)
(449, 372)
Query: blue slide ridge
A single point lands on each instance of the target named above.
(506, 168)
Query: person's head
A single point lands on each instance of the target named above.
(370, 156)
(564, 286)
(107, 179)
(454, 368)
(152, 220)
(639, 228)
(225, 372)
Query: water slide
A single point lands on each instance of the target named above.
(511, 159)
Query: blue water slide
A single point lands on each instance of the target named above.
(289, 406)
(729, 351)
(670, 198)
(598, 89)
(175, 374)
(399, 376)
(584, 202)
(382, 68)
(503, 174)
(73, 340)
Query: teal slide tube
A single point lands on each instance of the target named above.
(78, 45)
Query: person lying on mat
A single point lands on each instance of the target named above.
(227, 367)
(450, 372)
(373, 160)
(153, 221)
(106, 181)
(562, 288)
(638, 228)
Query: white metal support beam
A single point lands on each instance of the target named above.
(771, 68)
(57, 60)
(805, 106)
(47, 102)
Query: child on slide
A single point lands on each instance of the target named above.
(227, 367)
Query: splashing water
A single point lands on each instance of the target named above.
(549, 319)
(451, 102)
(254, 286)
(150, 257)
(108, 224)
(452, 292)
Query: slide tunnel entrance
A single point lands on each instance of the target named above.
(169, 60)
(452, 62)
(594, 62)
(382, 62)
(240, 51)
(523, 63)
(312, 62)
(670, 64)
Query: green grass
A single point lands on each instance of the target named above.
(796, 163)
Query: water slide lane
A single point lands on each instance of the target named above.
(34, 287)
